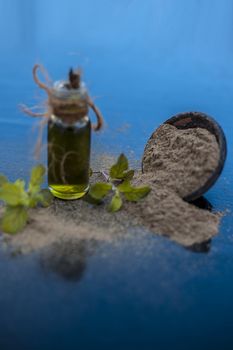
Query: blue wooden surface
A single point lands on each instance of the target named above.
(145, 61)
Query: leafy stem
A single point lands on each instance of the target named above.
(117, 183)
(19, 200)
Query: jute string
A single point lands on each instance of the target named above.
(69, 110)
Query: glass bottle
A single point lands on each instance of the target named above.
(69, 142)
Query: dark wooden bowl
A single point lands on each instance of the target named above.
(189, 120)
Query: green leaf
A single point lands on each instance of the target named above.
(37, 174)
(125, 186)
(136, 193)
(37, 178)
(14, 219)
(34, 199)
(87, 198)
(3, 179)
(133, 193)
(128, 175)
(13, 194)
(46, 197)
(118, 169)
(99, 190)
(21, 184)
(116, 203)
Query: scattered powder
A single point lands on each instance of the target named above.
(175, 156)
(181, 160)
(162, 212)
(45, 229)
(165, 213)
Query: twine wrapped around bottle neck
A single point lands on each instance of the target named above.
(71, 98)
(67, 100)
(69, 105)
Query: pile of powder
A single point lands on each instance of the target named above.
(181, 160)
(45, 229)
(176, 162)
(165, 213)
(162, 212)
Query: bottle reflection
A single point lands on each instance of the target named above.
(68, 258)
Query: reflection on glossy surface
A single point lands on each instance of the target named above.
(203, 247)
(67, 258)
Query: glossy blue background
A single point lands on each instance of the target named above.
(143, 61)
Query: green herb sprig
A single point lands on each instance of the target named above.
(118, 183)
(19, 200)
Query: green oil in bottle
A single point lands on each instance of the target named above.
(69, 157)
(69, 137)
(69, 133)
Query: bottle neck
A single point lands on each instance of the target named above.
(70, 106)
(80, 123)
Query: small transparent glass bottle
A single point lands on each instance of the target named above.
(69, 142)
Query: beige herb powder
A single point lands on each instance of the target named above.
(176, 163)
(181, 160)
